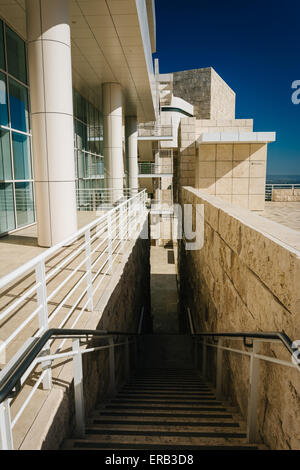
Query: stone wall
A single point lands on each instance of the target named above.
(194, 86)
(222, 105)
(246, 278)
(211, 97)
(234, 172)
(286, 195)
(118, 310)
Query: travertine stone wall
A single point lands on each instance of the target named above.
(211, 97)
(234, 172)
(286, 195)
(185, 160)
(119, 310)
(222, 101)
(194, 86)
(246, 278)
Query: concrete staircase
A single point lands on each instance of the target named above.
(164, 409)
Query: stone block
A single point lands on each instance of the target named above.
(241, 169)
(223, 186)
(207, 152)
(257, 169)
(225, 152)
(206, 169)
(240, 186)
(224, 169)
(241, 151)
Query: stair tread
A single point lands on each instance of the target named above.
(163, 423)
(207, 415)
(89, 445)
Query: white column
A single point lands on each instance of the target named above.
(113, 146)
(131, 133)
(50, 74)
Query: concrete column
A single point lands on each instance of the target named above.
(113, 147)
(50, 74)
(131, 133)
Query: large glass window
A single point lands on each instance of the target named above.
(88, 142)
(18, 100)
(22, 160)
(16, 55)
(24, 204)
(5, 158)
(16, 183)
(3, 101)
(7, 211)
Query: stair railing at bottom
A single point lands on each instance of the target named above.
(32, 354)
(256, 340)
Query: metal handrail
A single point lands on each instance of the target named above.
(254, 355)
(14, 375)
(10, 379)
(281, 336)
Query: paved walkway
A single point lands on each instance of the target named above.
(285, 213)
(21, 246)
(164, 294)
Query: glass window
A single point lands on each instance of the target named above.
(7, 217)
(24, 204)
(3, 101)
(80, 170)
(22, 161)
(5, 158)
(2, 58)
(18, 99)
(16, 55)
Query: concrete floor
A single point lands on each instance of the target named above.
(164, 294)
(285, 213)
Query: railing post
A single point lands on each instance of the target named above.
(112, 380)
(40, 275)
(5, 426)
(109, 242)
(88, 265)
(94, 200)
(253, 394)
(78, 389)
(127, 358)
(219, 370)
(204, 358)
(122, 227)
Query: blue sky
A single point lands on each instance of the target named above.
(255, 47)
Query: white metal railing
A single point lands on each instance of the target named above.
(270, 188)
(152, 129)
(217, 343)
(100, 198)
(55, 288)
(149, 168)
(78, 338)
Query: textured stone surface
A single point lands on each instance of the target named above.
(246, 278)
(211, 97)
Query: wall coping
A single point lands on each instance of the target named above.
(278, 233)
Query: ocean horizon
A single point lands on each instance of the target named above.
(283, 179)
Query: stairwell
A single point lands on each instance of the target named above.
(166, 404)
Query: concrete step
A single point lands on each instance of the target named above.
(102, 413)
(174, 408)
(83, 444)
(167, 402)
(214, 426)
